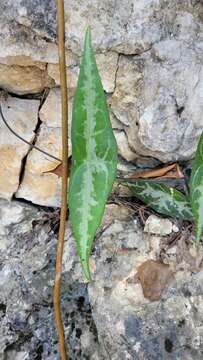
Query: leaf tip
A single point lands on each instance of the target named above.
(88, 35)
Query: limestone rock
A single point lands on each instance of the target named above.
(158, 226)
(123, 146)
(37, 185)
(27, 324)
(125, 99)
(114, 211)
(72, 76)
(116, 124)
(109, 22)
(149, 55)
(168, 128)
(10, 215)
(157, 83)
(21, 60)
(129, 325)
(22, 116)
(22, 80)
(50, 112)
(123, 319)
(107, 65)
(129, 30)
(22, 41)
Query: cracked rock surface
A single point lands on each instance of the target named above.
(27, 262)
(149, 55)
(110, 318)
(38, 185)
(129, 325)
(21, 115)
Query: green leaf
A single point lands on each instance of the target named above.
(196, 189)
(162, 198)
(94, 155)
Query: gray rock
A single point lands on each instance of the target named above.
(123, 146)
(112, 24)
(157, 225)
(149, 54)
(130, 326)
(167, 127)
(157, 87)
(27, 264)
(39, 15)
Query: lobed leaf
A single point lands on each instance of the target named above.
(196, 190)
(162, 198)
(94, 155)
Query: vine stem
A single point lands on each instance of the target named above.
(64, 125)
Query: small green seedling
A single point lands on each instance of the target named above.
(171, 202)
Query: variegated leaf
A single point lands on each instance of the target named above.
(196, 189)
(162, 198)
(94, 155)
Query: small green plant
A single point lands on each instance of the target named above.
(94, 156)
(93, 171)
(171, 202)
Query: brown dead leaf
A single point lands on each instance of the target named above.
(58, 170)
(154, 277)
(175, 173)
(170, 171)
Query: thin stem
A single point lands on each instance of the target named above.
(60, 243)
(32, 146)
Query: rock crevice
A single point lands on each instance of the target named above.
(24, 159)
